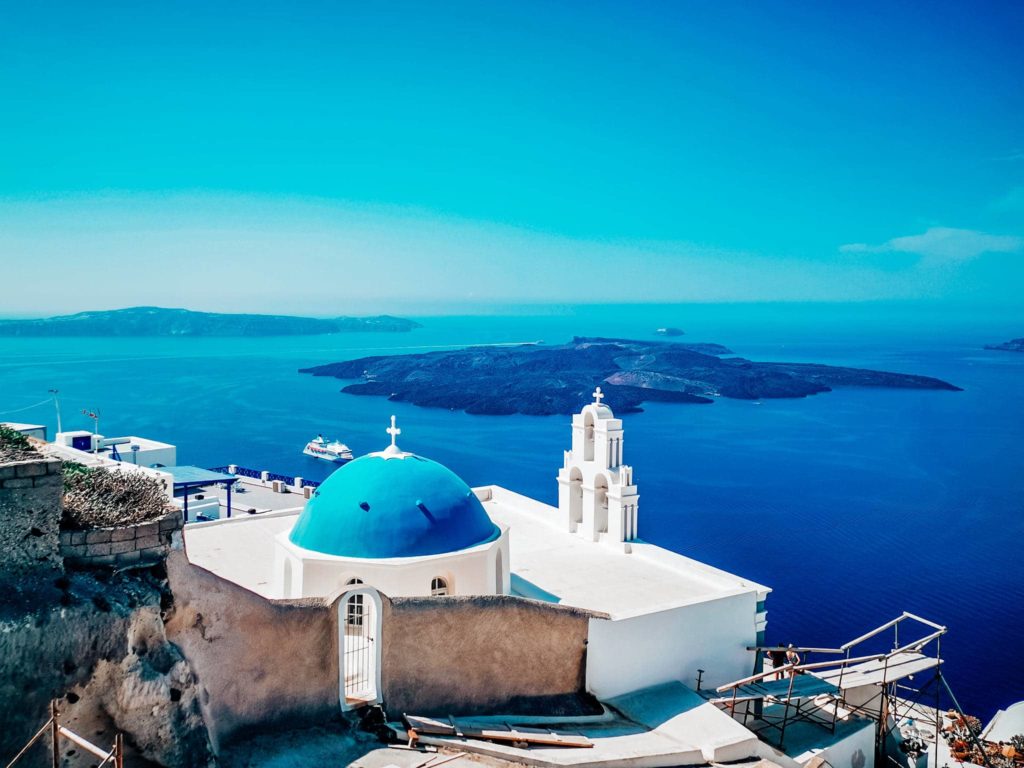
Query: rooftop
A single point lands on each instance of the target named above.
(550, 563)
(547, 562)
(665, 725)
(186, 475)
(240, 549)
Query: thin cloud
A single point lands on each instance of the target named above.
(943, 244)
(1011, 202)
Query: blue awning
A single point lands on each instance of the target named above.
(196, 477)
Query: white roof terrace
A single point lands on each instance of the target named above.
(547, 562)
(550, 563)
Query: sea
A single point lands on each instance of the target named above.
(853, 505)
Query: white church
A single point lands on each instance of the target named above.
(400, 524)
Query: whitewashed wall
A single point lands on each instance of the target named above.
(628, 654)
(469, 572)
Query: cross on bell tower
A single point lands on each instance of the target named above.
(598, 396)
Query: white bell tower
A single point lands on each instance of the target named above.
(596, 494)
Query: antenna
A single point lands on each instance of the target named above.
(95, 416)
(56, 404)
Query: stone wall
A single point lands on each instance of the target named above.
(482, 655)
(30, 512)
(265, 663)
(259, 663)
(123, 546)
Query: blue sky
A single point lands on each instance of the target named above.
(402, 156)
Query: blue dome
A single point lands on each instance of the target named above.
(405, 506)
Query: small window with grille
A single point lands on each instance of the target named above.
(438, 587)
(354, 614)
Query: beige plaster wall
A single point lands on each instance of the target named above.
(258, 663)
(273, 663)
(481, 655)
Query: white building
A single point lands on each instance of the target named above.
(128, 449)
(407, 526)
(37, 431)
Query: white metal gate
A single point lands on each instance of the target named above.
(359, 655)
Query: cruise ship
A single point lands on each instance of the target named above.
(335, 450)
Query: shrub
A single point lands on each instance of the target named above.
(100, 498)
(14, 446)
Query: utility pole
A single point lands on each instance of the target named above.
(56, 404)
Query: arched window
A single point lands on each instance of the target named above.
(575, 497)
(355, 609)
(438, 587)
(588, 436)
(600, 504)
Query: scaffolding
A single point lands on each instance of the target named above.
(880, 686)
(112, 757)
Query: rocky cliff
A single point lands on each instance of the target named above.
(93, 639)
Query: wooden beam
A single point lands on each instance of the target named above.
(534, 736)
(33, 740)
(88, 746)
(54, 735)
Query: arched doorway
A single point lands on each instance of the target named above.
(359, 624)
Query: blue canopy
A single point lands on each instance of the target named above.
(196, 477)
(187, 478)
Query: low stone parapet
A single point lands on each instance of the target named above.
(121, 546)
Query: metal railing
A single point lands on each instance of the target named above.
(257, 474)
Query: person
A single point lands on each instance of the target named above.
(792, 657)
(778, 659)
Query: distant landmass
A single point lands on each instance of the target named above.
(159, 321)
(533, 379)
(1013, 345)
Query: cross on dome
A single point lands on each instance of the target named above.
(598, 396)
(394, 432)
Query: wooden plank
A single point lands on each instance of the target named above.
(429, 725)
(509, 734)
(514, 736)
